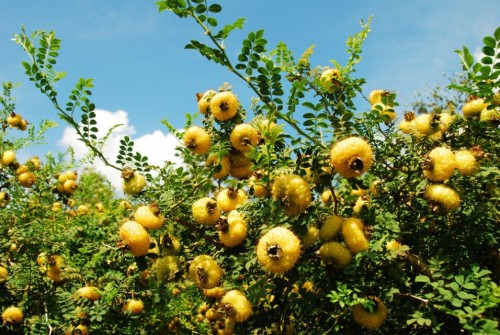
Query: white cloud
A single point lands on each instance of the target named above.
(478, 54)
(157, 146)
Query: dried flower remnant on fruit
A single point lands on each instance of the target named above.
(407, 126)
(133, 182)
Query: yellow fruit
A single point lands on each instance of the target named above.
(445, 121)
(88, 292)
(4, 199)
(35, 163)
(269, 130)
(234, 230)
(351, 157)
(367, 319)
(133, 182)
(82, 210)
(360, 203)
(99, 207)
(336, 254)
(27, 179)
(166, 268)
(310, 237)
(224, 163)
(22, 125)
(197, 140)
(241, 172)
(439, 164)
(133, 306)
(408, 125)
(22, 169)
(354, 236)
(206, 211)
(427, 124)
(330, 79)
(3, 274)
(326, 197)
(392, 245)
(14, 119)
(69, 186)
(8, 157)
(204, 101)
(78, 330)
(236, 304)
(12, 315)
(445, 197)
(216, 293)
(293, 191)
(330, 228)
(170, 245)
(385, 110)
(259, 190)
(230, 198)
(205, 272)
(489, 115)
(466, 162)
(135, 237)
(149, 217)
(278, 250)
(124, 204)
(224, 106)
(474, 107)
(376, 96)
(244, 136)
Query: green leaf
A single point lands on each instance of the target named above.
(465, 295)
(422, 279)
(456, 302)
(211, 21)
(459, 279)
(469, 286)
(497, 34)
(215, 8)
(489, 41)
(489, 51)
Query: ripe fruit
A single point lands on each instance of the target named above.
(427, 124)
(124, 204)
(310, 237)
(224, 164)
(197, 140)
(244, 136)
(3, 274)
(27, 179)
(259, 190)
(330, 228)
(12, 315)
(206, 211)
(240, 165)
(336, 254)
(444, 197)
(69, 186)
(8, 157)
(474, 107)
(236, 306)
(14, 119)
(205, 272)
(99, 207)
(363, 201)
(466, 162)
(330, 79)
(216, 293)
(354, 236)
(82, 210)
(22, 125)
(224, 106)
(149, 216)
(490, 115)
(368, 319)
(445, 121)
(230, 198)
(80, 330)
(351, 157)
(439, 164)
(133, 306)
(4, 199)
(233, 230)
(88, 292)
(376, 96)
(278, 250)
(135, 237)
(133, 182)
(204, 101)
(166, 268)
(407, 126)
(293, 191)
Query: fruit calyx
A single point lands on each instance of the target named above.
(274, 251)
(356, 164)
(409, 116)
(211, 207)
(127, 174)
(222, 225)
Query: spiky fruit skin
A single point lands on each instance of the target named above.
(206, 211)
(224, 163)
(354, 236)
(447, 198)
(330, 228)
(367, 319)
(243, 137)
(3, 274)
(239, 303)
(146, 216)
(80, 329)
(27, 179)
(445, 121)
(278, 250)
(241, 172)
(216, 292)
(474, 107)
(376, 96)
(466, 162)
(135, 184)
(294, 192)
(336, 254)
(8, 157)
(205, 272)
(135, 237)
(330, 79)
(407, 127)
(133, 306)
(166, 268)
(442, 163)
(426, 124)
(88, 292)
(236, 230)
(310, 237)
(204, 102)
(12, 315)
(230, 198)
(224, 106)
(489, 115)
(351, 157)
(197, 140)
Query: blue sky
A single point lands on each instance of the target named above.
(139, 65)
